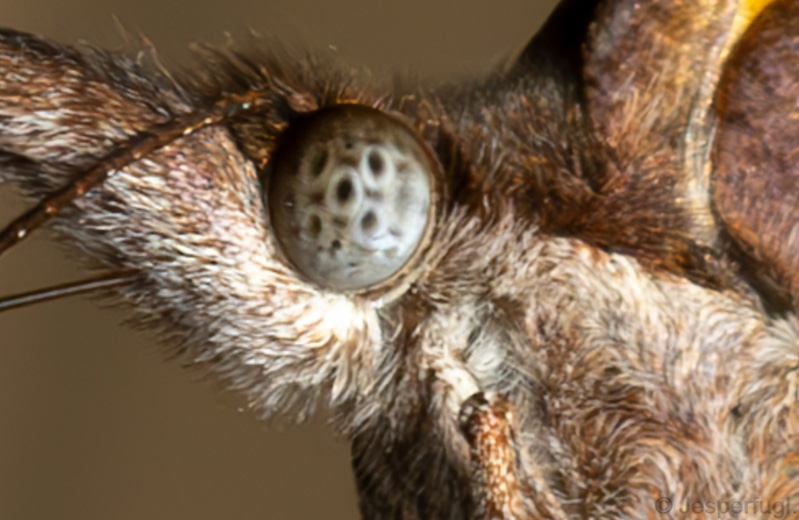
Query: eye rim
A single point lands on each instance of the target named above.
(288, 146)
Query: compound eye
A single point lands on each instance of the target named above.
(351, 197)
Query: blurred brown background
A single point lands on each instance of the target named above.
(94, 425)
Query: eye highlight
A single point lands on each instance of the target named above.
(351, 196)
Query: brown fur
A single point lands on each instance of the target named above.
(576, 281)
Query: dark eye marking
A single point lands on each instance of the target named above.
(341, 165)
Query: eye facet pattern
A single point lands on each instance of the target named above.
(350, 197)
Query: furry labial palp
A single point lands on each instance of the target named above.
(593, 317)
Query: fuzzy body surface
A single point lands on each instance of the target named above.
(631, 335)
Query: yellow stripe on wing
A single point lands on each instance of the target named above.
(748, 10)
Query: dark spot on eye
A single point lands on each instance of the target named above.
(368, 221)
(348, 145)
(319, 163)
(335, 245)
(344, 191)
(376, 163)
(316, 226)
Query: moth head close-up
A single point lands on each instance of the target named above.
(561, 283)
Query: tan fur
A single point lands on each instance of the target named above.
(630, 376)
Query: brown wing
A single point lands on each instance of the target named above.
(651, 71)
(647, 74)
(756, 158)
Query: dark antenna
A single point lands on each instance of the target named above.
(136, 149)
(15, 301)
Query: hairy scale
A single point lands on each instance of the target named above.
(621, 353)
